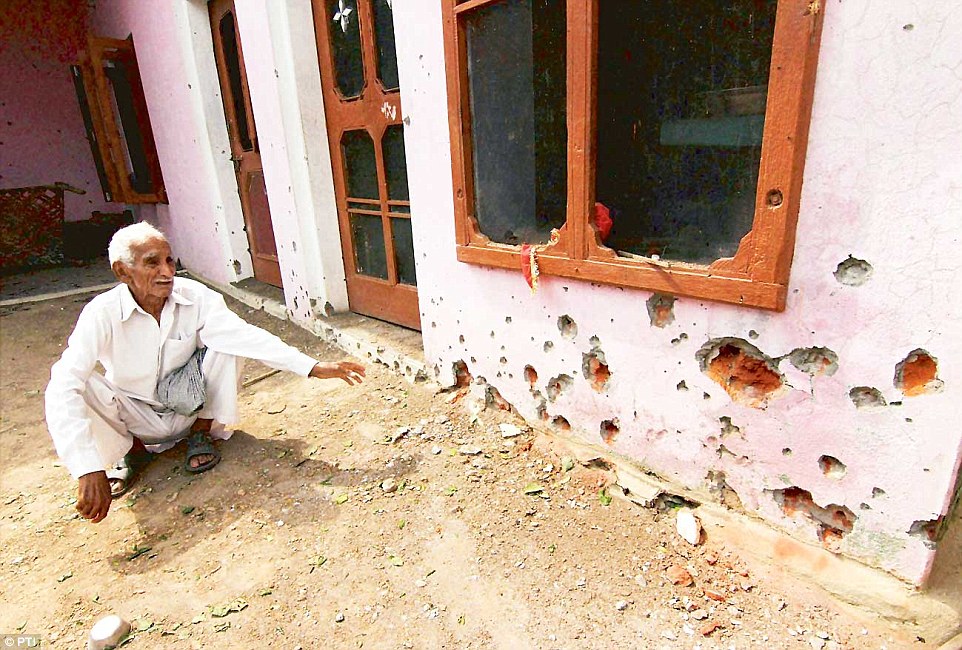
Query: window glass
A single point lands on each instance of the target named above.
(395, 167)
(369, 255)
(125, 115)
(228, 34)
(404, 250)
(346, 47)
(361, 165)
(516, 86)
(682, 88)
(384, 37)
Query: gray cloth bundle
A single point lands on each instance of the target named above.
(182, 391)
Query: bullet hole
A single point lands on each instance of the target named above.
(462, 377)
(492, 333)
(542, 410)
(866, 397)
(787, 451)
(705, 396)
(610, 430)
(832, 467)
(547, 346)
(747, 375)
(561, 423)
(493, 399)
(294, 246)
(833, 521)
(433, 324)
(558, 385)
(853, 272)
(661, 309)
(929, 531)
(237, 267)
(328, 309)
(681, 337)
(595, 369)
(507, 320)
(908, 27)
(864, 506)
(503, 360)
(724, 451)
(567, 327)
(814, 361)
(752, 334)
(877, 492)
(719, 488)
(681, 386)
(461, 339)
(531, 375)
(917, 374)
(727, 428)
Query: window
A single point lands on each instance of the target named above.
(664, 141)
(115, 114)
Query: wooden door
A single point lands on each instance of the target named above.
(359, 76)
(243, 141)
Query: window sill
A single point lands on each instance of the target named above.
(679, 279)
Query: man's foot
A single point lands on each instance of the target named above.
(201, 454)
(121, 476)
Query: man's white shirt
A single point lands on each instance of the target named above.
(136, 351)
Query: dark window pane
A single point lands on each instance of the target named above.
(125, 115)
(395, 167)
(384, 37)
(228, 35)
(346, 47)
(369, 255)
(361, 165)
(259, 219)
(404, 251)
(516, 83)
(682, 89)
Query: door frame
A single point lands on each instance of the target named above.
(374, 111)
(266, 266)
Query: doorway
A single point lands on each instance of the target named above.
(245, 153)
(359, 79)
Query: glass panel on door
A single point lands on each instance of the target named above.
(384, 38)
(228, 35)
(346, 47)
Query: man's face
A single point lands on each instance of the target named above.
(151, 276)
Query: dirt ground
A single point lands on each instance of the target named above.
(362, 517)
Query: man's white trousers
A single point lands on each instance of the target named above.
(116, 418)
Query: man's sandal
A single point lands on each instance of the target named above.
(123, 474)
(200, 444)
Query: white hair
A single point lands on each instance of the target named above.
(125, 239)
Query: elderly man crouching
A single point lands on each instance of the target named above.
(170, 348)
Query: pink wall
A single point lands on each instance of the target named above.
(881, 184)
(193, 149)
(42, 138)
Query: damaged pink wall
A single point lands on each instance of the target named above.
(840, 424)
(197, 172)
(42, 137)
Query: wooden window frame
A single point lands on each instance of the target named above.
(757, 275)
(106, 135)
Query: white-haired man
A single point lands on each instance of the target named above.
(170, 348)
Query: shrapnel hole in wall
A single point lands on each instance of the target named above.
(832, 522)
(610, 430)
(567, 327)
(557, 385)
(832, 467)
(661, 309)
(917, 374)
(748, 375)
(866, 397)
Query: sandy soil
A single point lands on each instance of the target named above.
(361, 517)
